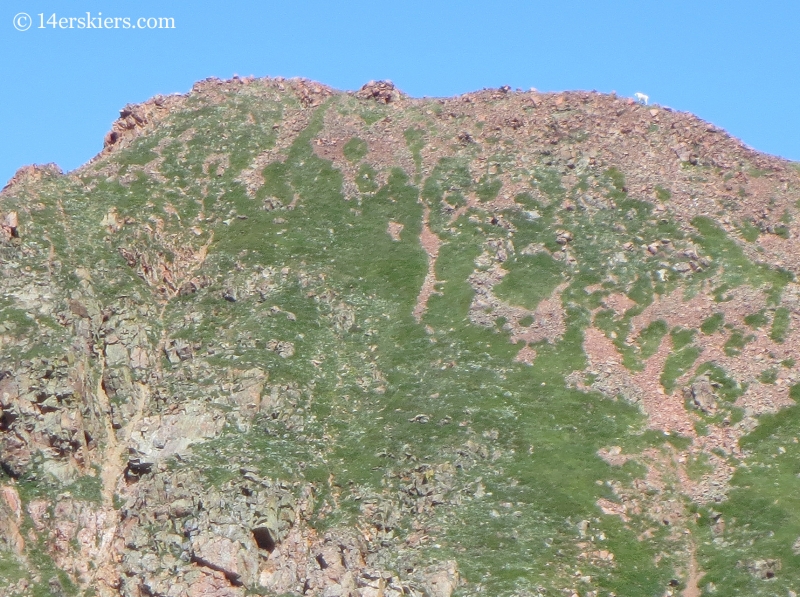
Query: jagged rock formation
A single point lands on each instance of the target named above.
(280, 339)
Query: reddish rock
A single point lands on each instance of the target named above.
(32, 173)
(10, 519)
(381, 91)
(237, 562)
(209, 583)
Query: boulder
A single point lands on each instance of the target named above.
(701, 395)
(239, 563)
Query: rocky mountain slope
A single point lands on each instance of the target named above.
(277, 339)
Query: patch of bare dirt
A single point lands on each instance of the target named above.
(669, 412)
(386, 148)
(759, 354)
(526, 355)
(665, 412)
(619, 303)
(394, 229)
(220, 163)
(613, 509)
(431, 243)
(693, 576)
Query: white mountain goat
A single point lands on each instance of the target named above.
(641, 98)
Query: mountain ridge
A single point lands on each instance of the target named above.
(279, 339)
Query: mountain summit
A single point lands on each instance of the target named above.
(278, 339)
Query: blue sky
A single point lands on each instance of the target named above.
(733, 63)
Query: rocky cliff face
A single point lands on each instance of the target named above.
(279, 339)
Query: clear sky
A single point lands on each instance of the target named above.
(734, 63)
